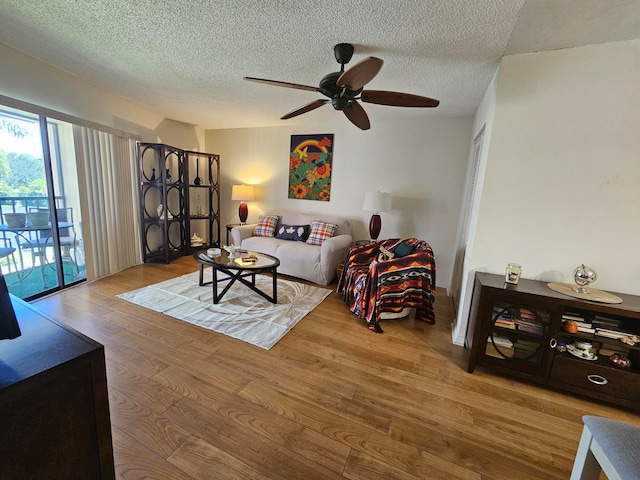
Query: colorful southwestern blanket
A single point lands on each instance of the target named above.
(372, 284)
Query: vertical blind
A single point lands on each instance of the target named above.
(106, 166)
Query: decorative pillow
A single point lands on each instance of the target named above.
(298, 233)
(402, 249)
(266, 226)
(320, 231)
(385, 254)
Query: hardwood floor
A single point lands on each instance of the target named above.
(330, 400)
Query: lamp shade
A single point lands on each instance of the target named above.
(242, 192)
(377, 202)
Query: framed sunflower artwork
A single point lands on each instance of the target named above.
(310, 162)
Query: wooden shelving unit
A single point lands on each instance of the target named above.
(179, 196)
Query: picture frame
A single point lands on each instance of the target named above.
(310, 167)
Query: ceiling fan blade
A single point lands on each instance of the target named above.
(397, 99)
(356, 114)
(360, 74)
(277, 83)
(307, 108)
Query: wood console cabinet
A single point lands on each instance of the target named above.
(516, 330)
(54, 410)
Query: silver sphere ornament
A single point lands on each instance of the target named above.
(583, 276)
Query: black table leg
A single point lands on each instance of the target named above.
(240, 276)
(274, 274)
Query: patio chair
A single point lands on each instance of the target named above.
(67, 237)
(7, 251)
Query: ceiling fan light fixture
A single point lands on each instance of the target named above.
(343, 88)
(340, 103)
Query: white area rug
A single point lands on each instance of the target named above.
(242, 313)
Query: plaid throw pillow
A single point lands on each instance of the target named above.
(320, 231)
(266, 226)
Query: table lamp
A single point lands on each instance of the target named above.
(376, 202)
(242, 193)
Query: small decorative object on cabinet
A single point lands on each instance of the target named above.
(532, 332)
(584, 276)
(172, 206)
(512, 273)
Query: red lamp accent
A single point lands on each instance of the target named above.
(376, 202)
(243, 212)
(242, 193)
(374, 226)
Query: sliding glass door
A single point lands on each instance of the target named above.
(41, 248)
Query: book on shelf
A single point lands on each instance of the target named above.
(611, 333)
(586, 329)
(534, 317)
(582, 324)
(499, 351)
(573, 317)
(505, 324)
(606, 322)
(528, 326)
(535, 329)
(525, 348)
(500, 340)
(528, 321)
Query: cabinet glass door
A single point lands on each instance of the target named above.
(518, 334)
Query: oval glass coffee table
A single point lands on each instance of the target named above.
(245, 264)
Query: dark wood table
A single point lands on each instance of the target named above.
(54, 407)
(245, 264)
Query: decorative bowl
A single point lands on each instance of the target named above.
(15, 220)
(39, 219)
(620, 361)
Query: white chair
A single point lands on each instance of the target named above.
(608, 446)
(7, 250)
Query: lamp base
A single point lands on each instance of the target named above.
(374, 226)
(243, 212)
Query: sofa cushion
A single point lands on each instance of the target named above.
(298, 233)
(320, 231)
(266, 226)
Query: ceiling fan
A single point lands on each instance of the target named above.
(344, 89)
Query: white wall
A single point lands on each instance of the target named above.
(563, 169)
(421, 163)
(28, 80)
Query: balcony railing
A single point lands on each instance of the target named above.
(22, 204)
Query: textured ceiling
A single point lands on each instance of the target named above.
(185, 59)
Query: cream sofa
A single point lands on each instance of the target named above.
(316, 263)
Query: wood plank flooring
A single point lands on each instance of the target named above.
(330, 400)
